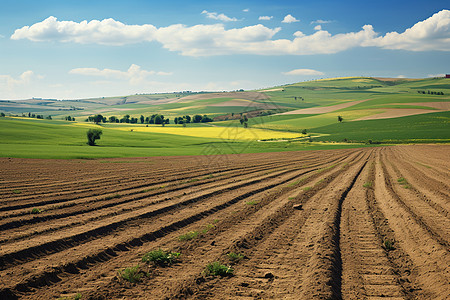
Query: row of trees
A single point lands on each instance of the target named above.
(195, 119)
(431, 92)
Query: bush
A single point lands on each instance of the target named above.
(388, 245)
(217, 269)
(131, 274)
(161, 257)
(35, 211)
(235, 257)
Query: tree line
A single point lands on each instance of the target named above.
(430, 92)
(153, 119)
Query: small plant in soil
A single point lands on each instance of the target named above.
(36, 211)
(131, 274)
(161, 257)
(368, 185)
(17, 191)
(217, 269)
(403, 182)
(253, 202)
(388, 245)
(235, 257)
(188, 236)
(307, 188)
(77, 296)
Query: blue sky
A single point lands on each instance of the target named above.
(78, 49)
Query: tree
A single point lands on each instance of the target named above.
(188, 119)
(92, 135)
(142, 119)
(197, 119)
(304, 131)
(112, 119)
(2, 114)
(340, 119)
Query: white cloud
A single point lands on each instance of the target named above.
(303, 72)
(289, 19)
(11, 87)
(106, 32)
(321, 22)
(265, 18)
(318, 27)
(436, 75)
(134, 74)
(246, 10)
(401, 76)
(430, 34)
(220, 17)
(209, 40)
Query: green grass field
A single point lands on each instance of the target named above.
(28, 137)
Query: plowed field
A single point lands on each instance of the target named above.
(368, 223)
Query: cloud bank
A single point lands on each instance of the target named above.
(303, 72)
(134, 74)
(432, 34)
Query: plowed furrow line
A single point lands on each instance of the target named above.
(428, 218)
(366, 270)
(105, 254)
(116, 206)
(114, 187)
(114, 203)
(437, 193)
(260, 241)
(426, 254)
(95, 230)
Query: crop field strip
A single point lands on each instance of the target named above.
(332, 247)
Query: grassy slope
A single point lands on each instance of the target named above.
(60, 139)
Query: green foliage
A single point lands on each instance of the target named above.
(368, 184)
(235, 257)
(35, 211)
(92, 135)
(217, 269)
(388, 245)
(253, 202)
(17, 191)
(161, 257)
(188, 236)
(77, 296)
(307, 188)
(131, 274)
(404, 183)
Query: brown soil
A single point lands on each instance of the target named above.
(310, 225)
(322, 109)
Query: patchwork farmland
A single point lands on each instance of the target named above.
(366, 223)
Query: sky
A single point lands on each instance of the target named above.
(76, 49)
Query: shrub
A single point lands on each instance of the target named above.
(388, 245)
(161, 257)
(235, 257)
(35, 211)
(131, 274)
(217, 269)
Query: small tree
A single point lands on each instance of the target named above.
(2, 114)
(340, 119)
(92, 135)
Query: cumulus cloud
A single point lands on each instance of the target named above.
(265, 18)
(246, 10)
(436, 75)
(303, 72)
(207, 40)
(289, 19)
(134, 74)
(430, 34)
(105, 32)
(217, 16)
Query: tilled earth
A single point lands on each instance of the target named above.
(368, 223)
